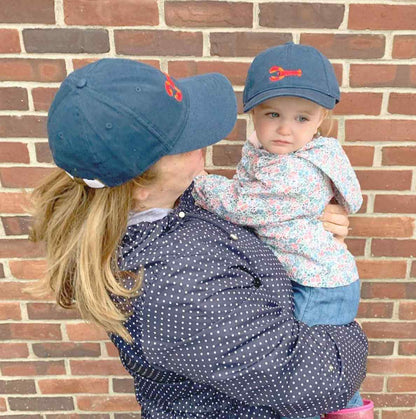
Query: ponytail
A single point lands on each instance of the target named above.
(82, 228)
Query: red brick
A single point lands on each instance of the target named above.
(79, 416)
(385, 179)
(16, 226)
(10, 311)
(13, 98)
(66, 40)
(13, 350)
(14, 152)
(390, 290)
(379, 348)
(17, 387)
(23, 177)
(17, 291)
(42, 97)
(112, 351)
(128, 416)
(404, 46)
(399, 414)
(402, 103)
(28, 269)
(375, 310)
(123, 385)
(379, 269)
(9, 41)
(14, 203)
(359, 104)
(66, 350)
(389, 330)
(79, 63)
(382, 226)
(23, 126)
(346, 45)
(301, 15)
(208, 14)
(226, 155)
(15, 248)
(85, 332)
(360, 155)
(1, 271)
(245, 44)
(111, 12)
(239, 132)
(160, 42)
(400, 156)
(46, 311)
(3, 406)
(356, 246)
(407, 310)
(107, 403)
(394, 248)
(391, 365)
(382, 75)
(380, 130)
(30, 331)
(235, 71)
(393, 400)
(395, 203)
(407, 348)
(29, 69)
(413, 271)
(32, 368)
(384, 17)
(373, 383)
(22, 11)
(75, 385)
(43, 153)
(41, 403)
(101, 367)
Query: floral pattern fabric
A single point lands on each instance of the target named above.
(282, 198)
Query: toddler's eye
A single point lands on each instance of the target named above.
(273, 114)
(301, 118)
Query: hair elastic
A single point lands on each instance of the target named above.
(92, 183)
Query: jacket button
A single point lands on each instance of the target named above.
(181, 214)
(233, 236)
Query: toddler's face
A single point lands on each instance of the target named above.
(285, 124)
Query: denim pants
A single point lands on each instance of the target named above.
(335, 306)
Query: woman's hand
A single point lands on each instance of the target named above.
(335, 220)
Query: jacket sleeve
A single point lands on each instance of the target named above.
(253, 350)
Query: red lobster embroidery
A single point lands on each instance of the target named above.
(171, 88)
(280, 73)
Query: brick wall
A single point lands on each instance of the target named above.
(55, 366)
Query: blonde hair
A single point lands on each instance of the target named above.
(82, 228)
(327, 124)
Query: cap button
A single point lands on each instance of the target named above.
(81, 83)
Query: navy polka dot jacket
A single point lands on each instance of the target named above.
(214, 332)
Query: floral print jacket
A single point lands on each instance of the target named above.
(282, 198)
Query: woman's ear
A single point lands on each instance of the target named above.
(140, 193)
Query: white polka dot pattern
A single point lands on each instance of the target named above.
(214, 332)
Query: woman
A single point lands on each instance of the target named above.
(199, 309)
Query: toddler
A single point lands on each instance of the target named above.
(287, 175)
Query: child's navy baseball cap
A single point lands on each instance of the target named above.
(291, 70)
(112, 119)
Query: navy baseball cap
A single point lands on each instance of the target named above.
(112, 119)
(291, 70)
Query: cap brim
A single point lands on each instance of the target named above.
(321, 99)
(212, 111)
